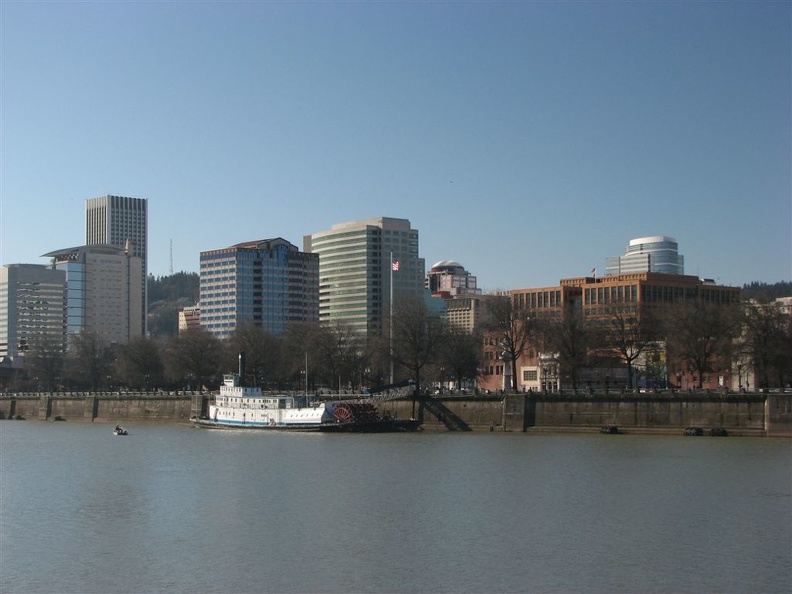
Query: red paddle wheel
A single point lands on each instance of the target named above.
(344, 413)
(356, 412)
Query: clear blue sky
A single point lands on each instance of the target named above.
(527, 140)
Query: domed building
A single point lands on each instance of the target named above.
(448, 278)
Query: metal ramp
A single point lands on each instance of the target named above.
(388, 392)
(443, 414)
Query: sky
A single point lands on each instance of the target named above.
(528, 141)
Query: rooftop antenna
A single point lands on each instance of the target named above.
(171, 258)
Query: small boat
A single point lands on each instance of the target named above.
(119, 430)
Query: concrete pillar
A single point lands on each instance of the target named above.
(91, 407)
(199, 405)
(778, 415)
(513, 414)
(44, 407)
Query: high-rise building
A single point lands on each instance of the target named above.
(449, 279)
(103, 291)
(122, 222)
(357, 261)
(32, 308)
(657, 253)
(267, 283)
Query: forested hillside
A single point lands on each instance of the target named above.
(166, 296)
(764, 292)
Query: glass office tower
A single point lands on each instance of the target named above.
(357, 261)
(267, 283)
(32, 308)
(657, 253)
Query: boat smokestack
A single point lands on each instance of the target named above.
(242, 366)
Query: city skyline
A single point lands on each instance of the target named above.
(527, 141)
(599, 270)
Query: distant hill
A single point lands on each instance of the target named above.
(764, 292)
(166, 296)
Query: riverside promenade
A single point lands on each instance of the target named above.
(739, 414)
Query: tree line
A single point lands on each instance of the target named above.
(696, 336)
(306, 357)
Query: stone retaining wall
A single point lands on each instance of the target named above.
(739, 414)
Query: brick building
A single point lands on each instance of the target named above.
(594, 299)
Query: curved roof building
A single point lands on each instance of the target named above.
(655, 253)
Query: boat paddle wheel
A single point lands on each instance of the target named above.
(356, 413)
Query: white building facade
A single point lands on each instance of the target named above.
(657, 253)
(32, 308)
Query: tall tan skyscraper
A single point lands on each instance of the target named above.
(122, 222)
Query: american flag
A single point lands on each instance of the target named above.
(395, 266)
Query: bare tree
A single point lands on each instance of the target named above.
(629, 333)
(193, 357)
(418, 336)
(339, 353)
(298, 354)
(377, 360)
(262, 350)
(44, 360)
(570, 337)
(139, 363)
(700, 334)
(89, 362)
(460, 355)
(513, 329)
(766, 343)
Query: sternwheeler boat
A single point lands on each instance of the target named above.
(247, 408)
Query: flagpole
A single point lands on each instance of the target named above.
(390, 320)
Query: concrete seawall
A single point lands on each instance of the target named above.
(739, 414)
(101, 406)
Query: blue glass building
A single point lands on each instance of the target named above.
(267, 283)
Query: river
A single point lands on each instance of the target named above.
(174, 509)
